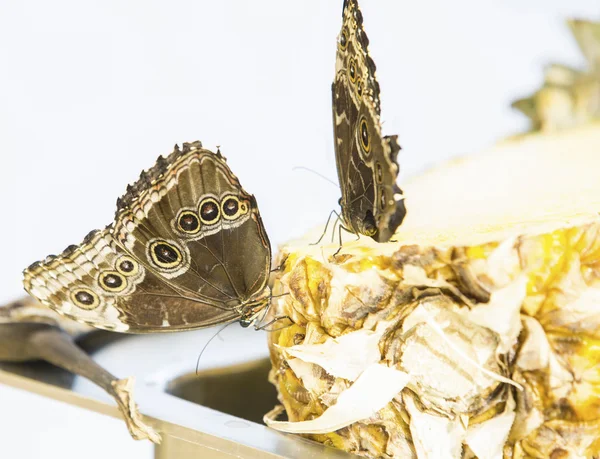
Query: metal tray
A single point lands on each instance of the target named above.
(216, 413)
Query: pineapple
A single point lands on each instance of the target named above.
(475, 333)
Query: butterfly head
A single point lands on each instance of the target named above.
(246, 321)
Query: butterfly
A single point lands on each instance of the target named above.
(187, 249)
(372, 204)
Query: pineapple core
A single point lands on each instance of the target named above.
(474, 333)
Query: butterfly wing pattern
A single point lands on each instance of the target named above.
(372, 204)
(187, 250)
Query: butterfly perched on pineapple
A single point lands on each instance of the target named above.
(372, 204)
(187, 249)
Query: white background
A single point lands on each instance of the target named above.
(92, 91)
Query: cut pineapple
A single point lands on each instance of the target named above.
(476, 333)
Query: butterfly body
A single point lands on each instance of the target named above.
(372, 204)
(187, 250)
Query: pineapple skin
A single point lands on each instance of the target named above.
(555, 355)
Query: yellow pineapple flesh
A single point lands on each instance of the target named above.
(474, 333)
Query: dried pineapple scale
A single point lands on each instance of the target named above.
(488, 302)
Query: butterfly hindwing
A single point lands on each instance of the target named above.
(100, 284)
(372, 204)
(187, 250)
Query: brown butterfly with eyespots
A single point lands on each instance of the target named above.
(187, 250)
(372, 204)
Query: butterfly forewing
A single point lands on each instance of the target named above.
(189, 224)
(372, 203)
(187, 250)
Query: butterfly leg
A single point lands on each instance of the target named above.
(335, 223)
(333, 212)
(276, 319)
(281, 265)
(258, 318)
(340, 228)
(30, 341)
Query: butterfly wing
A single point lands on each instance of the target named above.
(100, 284)
(162, 267)
(372, 204)
(189, 220)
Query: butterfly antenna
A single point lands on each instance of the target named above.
(316, 173)
(208, 342)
